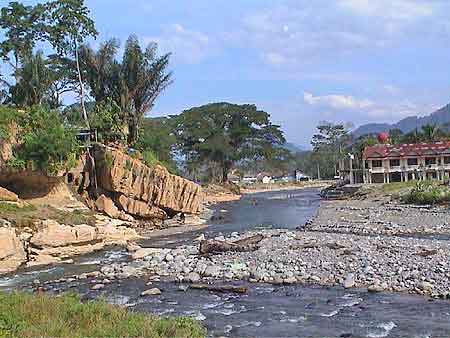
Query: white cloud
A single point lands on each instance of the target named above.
(382, 109)
(187, 46)
(274, 58)
(338, 102)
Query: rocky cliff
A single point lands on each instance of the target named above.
(143, 191)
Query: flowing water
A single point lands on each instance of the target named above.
(266, 311)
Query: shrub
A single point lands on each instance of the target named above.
(46, 141)
(424, 192)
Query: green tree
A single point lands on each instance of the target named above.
(67, 26)
(430, 133)
(222, 134)
(143, 76)
(34, 79)
(22, 27)
(330, 145)
(156, 135)
(101, 70)
(395, 136)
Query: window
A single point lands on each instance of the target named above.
(447, 160)
(412, 161)
(377, 163)
(430, 160)
(394, 163)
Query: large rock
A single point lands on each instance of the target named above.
(119, 173)
(8, 196)
(55, 241)
(12, 252)
(106, 205)
(139, 208)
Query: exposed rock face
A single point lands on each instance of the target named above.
(12, 252)
(6, 195)
(144, 191)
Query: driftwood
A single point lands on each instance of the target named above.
(219, 288)
(426, 253)
(212, 246)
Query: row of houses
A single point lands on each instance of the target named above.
(269, 178)
(385, 163)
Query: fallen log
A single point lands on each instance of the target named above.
(219, 288)
(212, 246)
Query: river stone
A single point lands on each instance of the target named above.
(426, 286)
(212, 271)
(144, 252)
(98, 286)
(151, 292)
(169, 257)
(193, 277)
(349, 281)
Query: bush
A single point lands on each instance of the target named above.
(45, 141)
(26, 315)
(7, 117)
(424, 192)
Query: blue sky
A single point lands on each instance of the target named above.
(302, 61)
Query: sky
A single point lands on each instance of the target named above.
(303, 61)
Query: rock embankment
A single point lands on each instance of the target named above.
(142, 191)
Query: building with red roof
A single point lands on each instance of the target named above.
(384, 163)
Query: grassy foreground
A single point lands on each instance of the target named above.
(26, 315)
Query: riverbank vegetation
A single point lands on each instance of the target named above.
(39, 315)
(426, 193)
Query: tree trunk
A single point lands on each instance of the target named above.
(80, 80)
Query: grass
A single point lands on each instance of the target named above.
(397, 186)
(28, 214)
(38, 315)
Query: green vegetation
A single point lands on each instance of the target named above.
(43, 139)
(26, 315)
(397, 186)
(220, 135)
(426, 192)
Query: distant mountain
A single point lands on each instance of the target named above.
(295, 148)
(439, 117)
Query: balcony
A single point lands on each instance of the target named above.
(377, 170)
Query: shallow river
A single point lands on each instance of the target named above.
(266, 311)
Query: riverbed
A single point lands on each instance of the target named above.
(267, 310)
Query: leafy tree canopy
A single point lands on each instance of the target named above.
(225, 133)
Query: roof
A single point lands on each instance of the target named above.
(403, 150)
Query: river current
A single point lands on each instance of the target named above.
(267, 310)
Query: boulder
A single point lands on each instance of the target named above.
(54, 241)
(106, 205)
(151, 292)
(12, 252)
(8, 196)
(139, 208)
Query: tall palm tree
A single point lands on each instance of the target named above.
(143, 77)
(100, 69)
(430, 133)
(34, 80)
